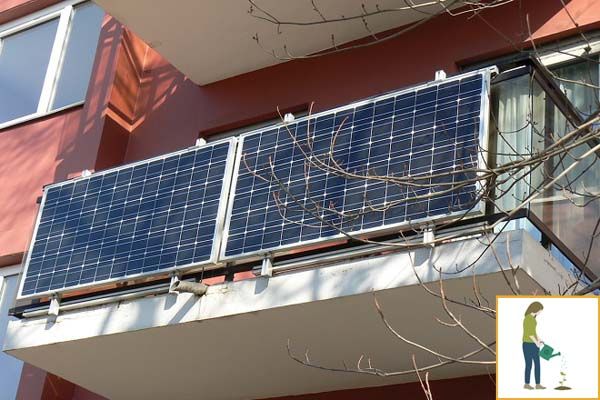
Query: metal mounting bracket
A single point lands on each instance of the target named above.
(175, 278)
(85, 173)
(200, 142)
(267, 266)
(54, 308)
(440, 75)
(429, 236)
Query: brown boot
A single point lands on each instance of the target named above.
(540, 387)
(528, 386)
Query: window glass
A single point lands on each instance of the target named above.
(570, 208)
(24, 59)
(10, 367)
(579, 81)
(517, 109)
(79, 55)
(528, 121)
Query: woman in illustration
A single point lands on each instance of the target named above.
(532, 344)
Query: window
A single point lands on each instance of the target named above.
(46, 60)
(579, 81)
(528, 121)
(10, 367)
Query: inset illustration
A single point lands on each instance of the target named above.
(558, 338)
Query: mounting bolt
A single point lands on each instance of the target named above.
(288, 118)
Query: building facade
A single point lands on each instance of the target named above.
(90, 86)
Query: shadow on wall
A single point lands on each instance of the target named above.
(132, 90)
(61, 145)
(171, 110)
(152, 108)
(141, 95)
(52, 148)
(79, 143)
(167, 111)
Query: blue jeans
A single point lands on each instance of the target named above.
(532, 356)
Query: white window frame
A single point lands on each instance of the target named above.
(63, 11)
(570, 53)
(550, 57)
(6, 272)
(10, 271)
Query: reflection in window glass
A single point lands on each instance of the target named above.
(517, 108)
(10, 367)
(579, 82)
(79, 55)
(24, 59)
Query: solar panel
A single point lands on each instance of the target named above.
(303, 182)
(145, 218)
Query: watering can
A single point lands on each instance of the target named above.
(546, 352)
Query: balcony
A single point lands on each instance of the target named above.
(169, 346)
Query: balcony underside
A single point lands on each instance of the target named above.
(231, 343)
(213, 40)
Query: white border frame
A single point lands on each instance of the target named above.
(212, 262)
(551, 56)
(64, 12)
(481, 161)
(10, 270)
(5, 272)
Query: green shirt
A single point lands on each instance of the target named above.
(529, 324)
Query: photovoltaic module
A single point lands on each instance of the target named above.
(269, 191)
(289, 191)
(135, 220)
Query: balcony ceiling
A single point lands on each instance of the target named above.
(212, 40)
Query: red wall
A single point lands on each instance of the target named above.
(172, 111)
(139, 106)
(470, 388)
(13, 9)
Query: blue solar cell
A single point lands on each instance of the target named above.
(137, 219)
(284, 197)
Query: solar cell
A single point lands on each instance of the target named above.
(145, 218)
(287, 191)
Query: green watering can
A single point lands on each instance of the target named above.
(546, 352)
